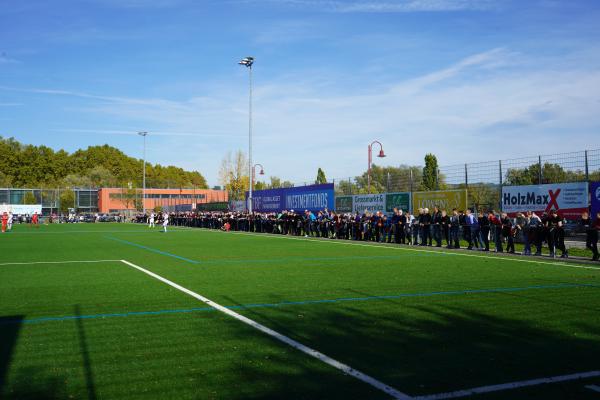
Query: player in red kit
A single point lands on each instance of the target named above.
(4, 221)
(34, 220)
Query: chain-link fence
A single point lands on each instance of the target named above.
(483, 179)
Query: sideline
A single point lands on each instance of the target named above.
(58, 262)
(508, 386)
(290, 342)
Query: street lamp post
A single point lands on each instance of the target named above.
(262, 172)
(381, 155)
(144, 134)
(247, 62)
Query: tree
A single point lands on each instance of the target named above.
(100, 176)
(232, 174)
(5, 180)
(29, 198)
(430, 172)
(28, 165)
(67, 200)
(321, 177)
(386, 179)
(484, 196)
(551, 173)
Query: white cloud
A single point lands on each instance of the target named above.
(493, 105)
(386, 6)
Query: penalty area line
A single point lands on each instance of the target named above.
(282, 338)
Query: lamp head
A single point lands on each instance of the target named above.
(247, 61)
(381, 154)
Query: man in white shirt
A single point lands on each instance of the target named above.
(165, 221)
(151, 220)
(10, 221)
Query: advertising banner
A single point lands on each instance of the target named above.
(595, 195)
(312, 198)
(269, 200)
(343, 204)
(368, 202)
(400, 201)
(443, 199)
(237, 205)
(21, 209)
(570, 199)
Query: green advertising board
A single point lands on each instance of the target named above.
(400, 201)
(219, 206)
(343, 204)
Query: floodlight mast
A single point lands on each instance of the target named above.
(248, 62)
(144, 134)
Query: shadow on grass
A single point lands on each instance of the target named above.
(9, 332)
(85, 355)
(26, 383)
(423, 347)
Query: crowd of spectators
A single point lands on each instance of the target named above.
(482, 231)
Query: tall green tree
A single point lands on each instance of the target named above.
(31, 166)
(321, 177)
(430, 172)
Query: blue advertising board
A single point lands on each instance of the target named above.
(595, 195)
(300, 198)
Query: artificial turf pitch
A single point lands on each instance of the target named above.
(422, 322)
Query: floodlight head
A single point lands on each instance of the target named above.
(142, 133)
(262, 172)
(247, 61)
(381, 154)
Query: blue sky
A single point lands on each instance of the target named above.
(469, 80)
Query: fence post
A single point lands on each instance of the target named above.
(587, 170)
(437, 179)
(411, 180)
(388, 182)
(500, 187)
(540, 174)
(466, 177)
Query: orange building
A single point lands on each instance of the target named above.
(117, 200)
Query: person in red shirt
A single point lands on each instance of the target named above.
(4, 221)
(34, 220)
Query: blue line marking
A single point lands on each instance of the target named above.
(302, 302)
(164, 253)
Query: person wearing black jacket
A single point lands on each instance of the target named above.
(484, 227)
(591, 234)
(445, 224)
(425, 228)
(436, 219)
(454, 230)
(556, 235)
(507, 232)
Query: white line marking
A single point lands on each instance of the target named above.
(508, 386)
(58, 262)
(595, 388)
(290, 342)
(450, 253)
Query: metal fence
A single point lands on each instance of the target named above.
(483, 179)
(83, 200)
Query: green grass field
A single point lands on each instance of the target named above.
(423, 322)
